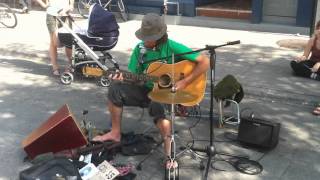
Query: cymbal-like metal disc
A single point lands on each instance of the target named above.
(168, 97)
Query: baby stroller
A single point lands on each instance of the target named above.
(90, 46)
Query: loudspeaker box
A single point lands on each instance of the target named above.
(259, 133)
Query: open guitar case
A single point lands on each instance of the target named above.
(56, 168)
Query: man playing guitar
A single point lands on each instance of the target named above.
(154, 45)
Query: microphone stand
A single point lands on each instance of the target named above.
(210, 150)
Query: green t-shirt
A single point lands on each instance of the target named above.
(163, 50)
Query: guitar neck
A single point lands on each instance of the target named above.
(129, 76)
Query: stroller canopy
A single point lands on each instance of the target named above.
(101, 32)
(102, 23)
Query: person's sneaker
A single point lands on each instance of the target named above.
(25, 10)
(315, 76)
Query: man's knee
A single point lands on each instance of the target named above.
(156, 110)
(294, 65)
(114, 94)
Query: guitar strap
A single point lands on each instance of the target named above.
(139, 64)
(167, 53)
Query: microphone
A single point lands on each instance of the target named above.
(233, 42)
(208, 47)
(142, 53)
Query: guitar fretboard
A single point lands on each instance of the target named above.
(129, 76)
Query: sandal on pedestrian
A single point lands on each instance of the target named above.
(316, 111)
(55, 72)
(171, 170)
(171, 164)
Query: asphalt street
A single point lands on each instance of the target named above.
(29, 94)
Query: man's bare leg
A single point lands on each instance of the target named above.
(165, 131)
(115, 133)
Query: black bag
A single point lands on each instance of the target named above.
(56, 168)
(258, 133)
(136, 144)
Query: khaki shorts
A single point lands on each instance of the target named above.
(53, 24)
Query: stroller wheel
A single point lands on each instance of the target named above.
(105, 81)
(66, 78)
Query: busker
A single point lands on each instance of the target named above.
(154, 38)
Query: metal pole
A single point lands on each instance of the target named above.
(314, 17)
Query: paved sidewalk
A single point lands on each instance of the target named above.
(29, 95)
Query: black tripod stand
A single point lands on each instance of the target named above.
(210, 149)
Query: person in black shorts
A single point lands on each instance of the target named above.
(308, 64)
(156, 44)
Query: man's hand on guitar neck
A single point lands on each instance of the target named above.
(116, 76)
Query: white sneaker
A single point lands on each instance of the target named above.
(25, 10)
(315, 76)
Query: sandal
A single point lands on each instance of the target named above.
(171, 170)
(316, 111)
(171, 164)
(55, 72)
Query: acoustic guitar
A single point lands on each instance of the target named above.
(164, 75)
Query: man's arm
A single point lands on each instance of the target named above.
(202, 66)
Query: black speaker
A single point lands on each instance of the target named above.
(258, 133)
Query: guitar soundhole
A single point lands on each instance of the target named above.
(165, 81)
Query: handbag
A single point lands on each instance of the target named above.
(258, 133)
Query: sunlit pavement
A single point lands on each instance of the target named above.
(29, 95)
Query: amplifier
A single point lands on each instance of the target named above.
(60, 132)
(259, 133)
